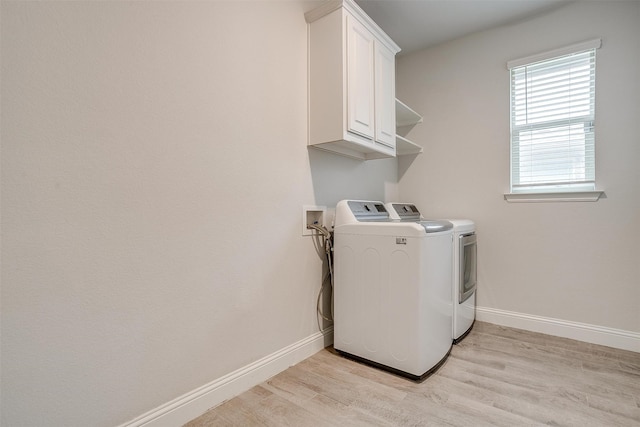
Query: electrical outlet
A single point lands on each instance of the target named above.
(312, 215)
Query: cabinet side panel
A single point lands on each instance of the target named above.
(326, 77)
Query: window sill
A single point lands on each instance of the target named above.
(568, 196)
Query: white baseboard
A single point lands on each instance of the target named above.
(190, 405)
(616, 338)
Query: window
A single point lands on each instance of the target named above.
(552, 121)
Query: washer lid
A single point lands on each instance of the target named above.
(435, 226)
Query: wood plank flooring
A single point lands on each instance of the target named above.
(496, 376)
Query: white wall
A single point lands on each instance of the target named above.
(571, 261)
(154, 169)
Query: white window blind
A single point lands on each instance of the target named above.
(552, 121)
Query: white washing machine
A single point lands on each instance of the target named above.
(392, 289)
(464, 266)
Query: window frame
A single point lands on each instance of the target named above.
(551, 192)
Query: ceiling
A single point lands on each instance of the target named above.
(418, 24)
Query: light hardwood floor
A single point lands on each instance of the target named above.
(496, 376)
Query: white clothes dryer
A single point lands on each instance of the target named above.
(464, 266)
(392, 289)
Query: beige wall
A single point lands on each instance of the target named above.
(570, 261)
(154, 169)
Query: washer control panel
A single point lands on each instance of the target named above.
(368, 211)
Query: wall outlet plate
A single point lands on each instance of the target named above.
(312, 215)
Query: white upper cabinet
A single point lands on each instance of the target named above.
(351, 83)
(360, 79)
(385, 94)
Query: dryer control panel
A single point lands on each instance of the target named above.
(406, 211)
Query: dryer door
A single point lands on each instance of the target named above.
(468, 266)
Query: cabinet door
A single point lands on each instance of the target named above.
(385, 96)
(360, 80)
